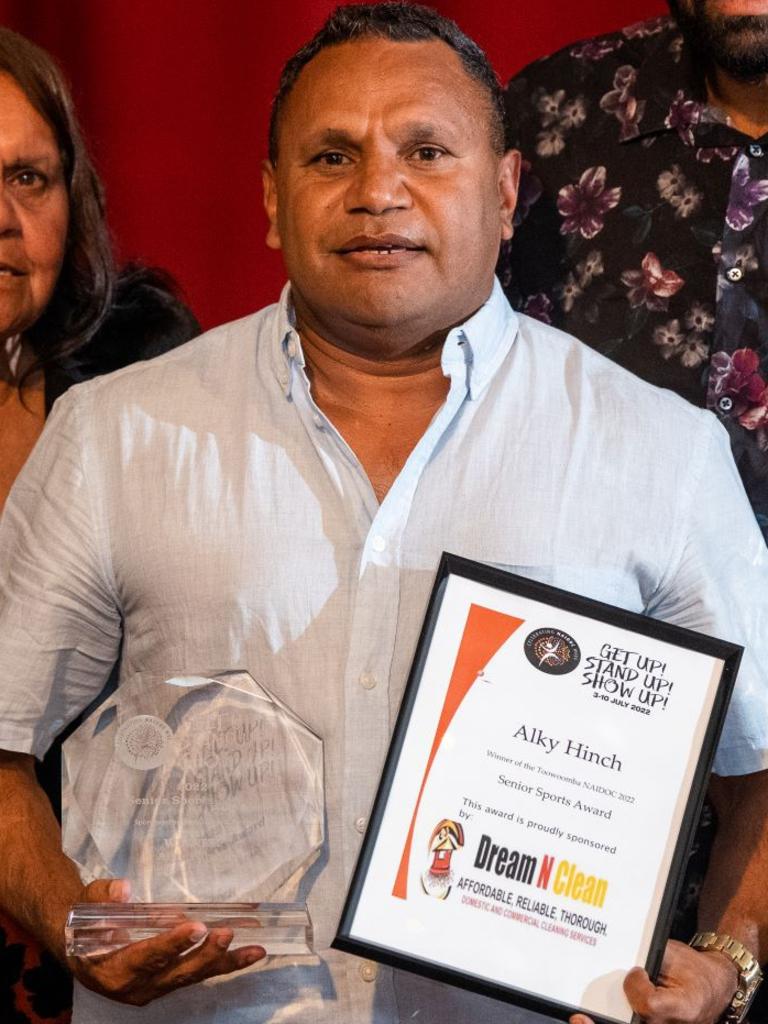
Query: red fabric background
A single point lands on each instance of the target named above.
(174, 98)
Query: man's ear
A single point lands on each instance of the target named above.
(269, 186)
(509, 178)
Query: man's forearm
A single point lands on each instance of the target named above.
(38, 883)
(734, 897)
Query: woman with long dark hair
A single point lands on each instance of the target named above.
(65, 316)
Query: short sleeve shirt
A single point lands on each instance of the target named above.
(202, 511)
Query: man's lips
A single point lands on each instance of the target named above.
(9, 270)
(383, 245)
(387, 252)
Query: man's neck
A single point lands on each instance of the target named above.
(745, 103)
(380, 407)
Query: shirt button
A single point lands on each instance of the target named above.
(368, 681)
(368, 971)
(378, 543)
(360, 824)
(290, 348)
(755, 149)
(319, 423)
(734, 273)
(725, 404)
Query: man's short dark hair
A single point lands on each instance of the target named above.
(400, 23)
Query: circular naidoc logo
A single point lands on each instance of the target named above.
(143, 742)
(552, 651)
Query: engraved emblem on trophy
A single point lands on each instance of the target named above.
(206, 792)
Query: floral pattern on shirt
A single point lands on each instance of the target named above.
(651, 285)
(622, 103)
(585, 204)
(746, 194)
(627, 169)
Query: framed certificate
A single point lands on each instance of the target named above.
(544, 778)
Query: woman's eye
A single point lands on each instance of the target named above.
(30, 180)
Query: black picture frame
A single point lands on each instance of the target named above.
(454, 565)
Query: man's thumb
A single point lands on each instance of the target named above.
(107, 890)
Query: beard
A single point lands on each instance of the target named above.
(736, 43)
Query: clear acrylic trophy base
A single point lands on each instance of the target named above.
(282, 929)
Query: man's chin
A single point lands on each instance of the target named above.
(385, 315)
(738, 44)
(744, 55)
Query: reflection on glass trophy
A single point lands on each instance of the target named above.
(202, 790)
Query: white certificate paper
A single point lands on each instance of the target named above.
(545, 774)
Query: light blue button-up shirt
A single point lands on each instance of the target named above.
(203, 508)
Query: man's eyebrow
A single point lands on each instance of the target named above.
(425, 131)
(333, 137)
(409, 133)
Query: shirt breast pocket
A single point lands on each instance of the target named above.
(607, 584)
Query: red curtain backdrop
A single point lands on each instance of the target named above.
(174, 98)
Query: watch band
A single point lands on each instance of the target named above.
(747, 965)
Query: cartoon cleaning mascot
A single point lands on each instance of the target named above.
(447, 837)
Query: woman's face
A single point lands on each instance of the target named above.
(34, 211)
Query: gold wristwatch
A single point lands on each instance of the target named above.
(747, 965)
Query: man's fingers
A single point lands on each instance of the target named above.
(107, 890)
(657, 1003)
(211, 958)
(144, 970)
(638, 987)
(647, 999)
(150, 956)
(246, 956)
(208, 959)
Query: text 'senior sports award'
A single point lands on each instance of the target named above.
(545, 775)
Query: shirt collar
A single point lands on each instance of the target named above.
(476, 347)
(481, 342)
(287, 344)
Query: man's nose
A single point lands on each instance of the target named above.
(378, 185)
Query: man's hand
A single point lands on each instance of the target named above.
(692, 988)
(143, 971)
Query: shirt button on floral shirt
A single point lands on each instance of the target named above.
(642, 226)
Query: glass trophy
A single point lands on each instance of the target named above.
(206, 792)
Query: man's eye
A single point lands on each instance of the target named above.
(428, 154)
(331, 159)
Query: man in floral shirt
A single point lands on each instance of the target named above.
(642, 227)
(643, 215)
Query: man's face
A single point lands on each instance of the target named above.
(733, 34)
(388, 200)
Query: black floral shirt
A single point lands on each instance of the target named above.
(642, 226)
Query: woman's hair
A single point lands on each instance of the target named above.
(83, 291)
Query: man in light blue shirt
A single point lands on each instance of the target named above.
(275, 496)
